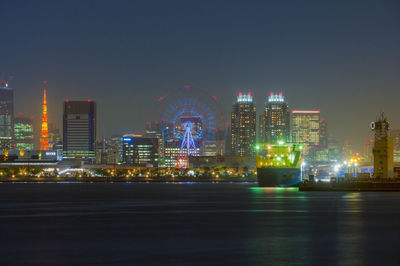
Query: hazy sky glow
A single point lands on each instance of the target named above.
(342, 57)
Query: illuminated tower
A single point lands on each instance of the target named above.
(243, 125)
(383, 149)
(44, 137)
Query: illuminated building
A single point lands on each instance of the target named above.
(23, 133)
(6, 116)
(305, 128)
(171, 152)
(140, 151)
(383, 149)
(79, 130)
(109, 150)
(395, 134)
(222, 138)
(243, 125)
(55, 142)
(161, 131)
(323, 134)
(275, 121)
(28, 158)
(320, 153)
(215, 147)
(114, 147)
(44, 136)
(335, 151)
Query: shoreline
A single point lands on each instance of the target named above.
(125, 180)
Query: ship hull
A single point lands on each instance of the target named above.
(278, 177)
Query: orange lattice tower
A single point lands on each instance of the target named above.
(44, 137)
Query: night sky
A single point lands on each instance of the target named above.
(342, 57)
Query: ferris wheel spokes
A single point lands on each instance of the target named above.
(187, 146)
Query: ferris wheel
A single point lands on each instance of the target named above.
(191, 116)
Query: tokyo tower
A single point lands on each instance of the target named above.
(44, 137)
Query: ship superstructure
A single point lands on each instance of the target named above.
(279, 164)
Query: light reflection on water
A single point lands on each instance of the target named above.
(195, 223)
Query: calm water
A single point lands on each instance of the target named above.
(203, 224)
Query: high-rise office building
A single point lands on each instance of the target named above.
(23, 133)
(243, 125)
(275, 120)
(305, 128)
(395, 134)
(6, 116)
(140, 151)
(320, 153)
(79, 130)
(323, 134)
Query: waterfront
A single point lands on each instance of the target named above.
(191, 223)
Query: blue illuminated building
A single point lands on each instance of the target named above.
(140, 151)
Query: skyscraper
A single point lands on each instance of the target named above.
(23, 133)
(323, 134)
(79, 130)
(321, 151)
(275, 120)
(6, 116)
(243, 125)
(305, 128)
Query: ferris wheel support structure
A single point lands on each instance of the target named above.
(187, 145)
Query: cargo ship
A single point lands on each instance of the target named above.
(279, 165)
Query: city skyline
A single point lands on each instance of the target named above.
(208, 132)
(321, 56)
(357, 143)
